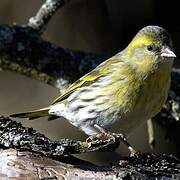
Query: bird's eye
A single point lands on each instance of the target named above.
(150, 47)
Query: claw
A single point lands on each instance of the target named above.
(93, 138)
(105, 135)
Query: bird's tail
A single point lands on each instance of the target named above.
(32, 114)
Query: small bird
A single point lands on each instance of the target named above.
(125, 90)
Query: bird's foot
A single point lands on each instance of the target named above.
(106, 135)
(92, 138)
(104, 142)
(102, 135)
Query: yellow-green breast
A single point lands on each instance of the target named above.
(139, 98)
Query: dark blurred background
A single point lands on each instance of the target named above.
(103, 26)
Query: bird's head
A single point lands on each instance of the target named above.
(152, 46)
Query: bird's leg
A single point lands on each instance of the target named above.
(104, 132)
(107, 134)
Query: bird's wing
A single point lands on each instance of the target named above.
(100, 71)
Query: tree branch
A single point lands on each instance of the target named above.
(14, 135)
(45, 13)
(22, 50)
(25, 160)
(16, 164)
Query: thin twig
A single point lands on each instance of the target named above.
(45, 13)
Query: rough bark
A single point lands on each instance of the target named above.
(14, 135)
(23, 164)
(34, 156)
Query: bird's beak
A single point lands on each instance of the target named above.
(166, 52)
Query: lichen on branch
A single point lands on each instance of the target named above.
(14, 135)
